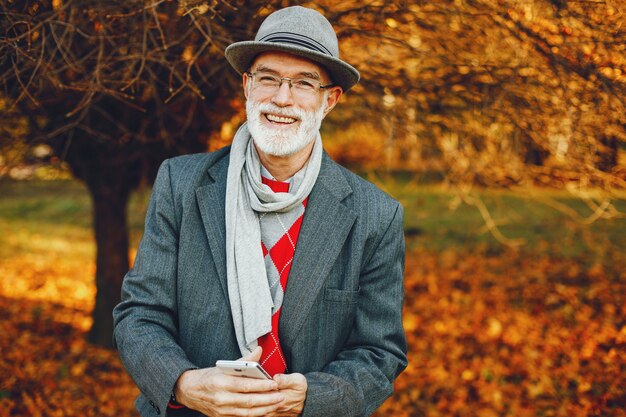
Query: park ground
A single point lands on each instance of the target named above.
(494, 329)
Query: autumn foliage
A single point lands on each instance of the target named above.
(512, 335)
(491, 331)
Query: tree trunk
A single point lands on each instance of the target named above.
(112, 163)
(607, 153)
(109, 219)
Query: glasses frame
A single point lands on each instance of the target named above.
(319, 87)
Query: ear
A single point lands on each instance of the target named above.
(333, 98)
(246, 81)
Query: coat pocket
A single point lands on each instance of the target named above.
(341, 296)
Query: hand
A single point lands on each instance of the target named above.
(294, 389)
(214, 393)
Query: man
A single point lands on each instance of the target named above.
(269, 251)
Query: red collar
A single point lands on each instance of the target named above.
(276, 186)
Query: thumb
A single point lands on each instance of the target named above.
(295, 381)
(254, 356)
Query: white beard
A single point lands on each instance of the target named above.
(283, 142)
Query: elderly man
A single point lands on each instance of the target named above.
(268, 251)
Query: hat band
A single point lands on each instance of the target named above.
(296, 39)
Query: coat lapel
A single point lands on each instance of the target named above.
(211, 202)
(325, 227)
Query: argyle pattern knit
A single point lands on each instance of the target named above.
(279, 234)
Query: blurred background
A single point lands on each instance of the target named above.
(499, 124)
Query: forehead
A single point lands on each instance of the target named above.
(288, 65)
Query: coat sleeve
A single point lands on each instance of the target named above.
(145, 321)
(361, 377)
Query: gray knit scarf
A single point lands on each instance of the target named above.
(246, 196)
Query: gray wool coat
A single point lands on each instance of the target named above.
(340, 325)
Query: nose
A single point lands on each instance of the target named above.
(283, 97)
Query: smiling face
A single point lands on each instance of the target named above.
(284, 122)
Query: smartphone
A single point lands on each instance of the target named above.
(248, 369)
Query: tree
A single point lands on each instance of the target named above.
(495, 93)
(114, 88)
(503, 92)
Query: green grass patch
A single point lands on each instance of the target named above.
(45, 202)
(37, 211)
(440, 218)
(436, 217)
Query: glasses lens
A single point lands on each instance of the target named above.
(267, 80)
(305, 84)
(269, 83)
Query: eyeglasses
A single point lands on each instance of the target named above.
(270, 83)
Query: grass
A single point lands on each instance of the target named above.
(436, 219)
(60, 208)
(544, 220)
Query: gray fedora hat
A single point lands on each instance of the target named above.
(298, 31)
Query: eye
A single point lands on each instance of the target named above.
(267, 79)
(304, 84)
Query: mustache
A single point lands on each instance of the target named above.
(294, 113)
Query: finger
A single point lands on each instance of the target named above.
(254, 356)
(290, 380)
(241, 384)
(283, 380)
(229, 402)
(270, 410)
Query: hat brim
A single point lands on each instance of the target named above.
(241, 54)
